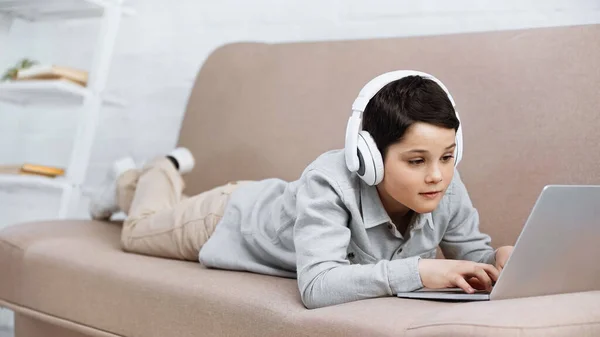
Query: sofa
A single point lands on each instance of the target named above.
(529, 103)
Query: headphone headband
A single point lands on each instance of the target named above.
(360, 103)
(376, 84)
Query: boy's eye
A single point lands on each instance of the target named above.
(416, 161)
(447, 158)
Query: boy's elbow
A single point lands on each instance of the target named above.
(313, 296)
(310, 300)
(320, 290)
(308, 304)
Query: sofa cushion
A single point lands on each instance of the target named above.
(575, 314)
(528, 102)
(76, 271)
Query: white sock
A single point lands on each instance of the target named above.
(185, 159)
(104, 204)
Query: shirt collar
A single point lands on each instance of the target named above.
(372, 209)
(422, 220)
(374, 214)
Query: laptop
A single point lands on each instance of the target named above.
(558, 250)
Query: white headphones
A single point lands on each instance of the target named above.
(362, 155)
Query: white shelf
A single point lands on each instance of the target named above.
(44, 10)
(55, 92)
(33, 181)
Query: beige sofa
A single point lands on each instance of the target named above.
(529, 102)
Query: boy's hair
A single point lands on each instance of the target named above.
(403, 102)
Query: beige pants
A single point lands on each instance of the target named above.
(163, 222)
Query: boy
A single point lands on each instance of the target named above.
(351, 227)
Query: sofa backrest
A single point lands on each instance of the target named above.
(529, 103)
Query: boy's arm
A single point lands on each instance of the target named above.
(463, 240)
(321, 238)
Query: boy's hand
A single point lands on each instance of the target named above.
(439, 274)
(502, 255)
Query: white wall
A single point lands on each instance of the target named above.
(6, 320)
(160, 50)
(6, 131)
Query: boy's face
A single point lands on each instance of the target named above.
(418, 169)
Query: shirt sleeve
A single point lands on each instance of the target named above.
(463, 240)
(321, 238)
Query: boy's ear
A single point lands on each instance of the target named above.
(384, 154)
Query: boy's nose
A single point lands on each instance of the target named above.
(434, 176)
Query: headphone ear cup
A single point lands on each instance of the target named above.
(457, 155)
(371, 162)
(458, 150)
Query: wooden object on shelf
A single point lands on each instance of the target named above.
(43, 170)
(53, 72)
(32, 169)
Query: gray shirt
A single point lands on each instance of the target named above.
(330, 230)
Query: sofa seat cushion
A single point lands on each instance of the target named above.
(576, 314)
(76, 271)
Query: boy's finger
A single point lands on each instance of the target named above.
(490, 270)
(460, 282)
(475, 283)
(484, 278)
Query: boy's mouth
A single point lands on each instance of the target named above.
(431, 195)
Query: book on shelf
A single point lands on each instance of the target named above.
(33, 169)
(43, 170)
(53, 72)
